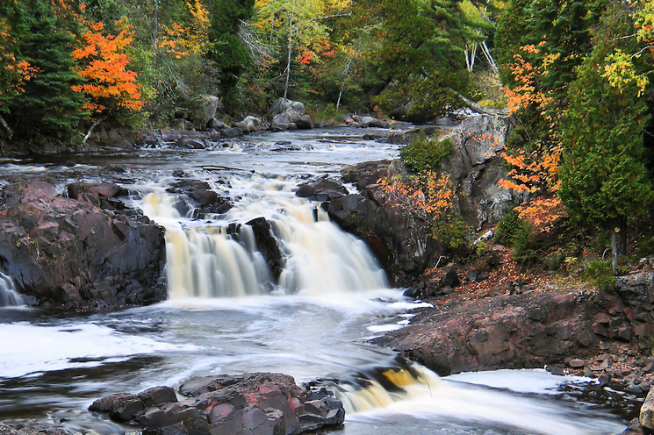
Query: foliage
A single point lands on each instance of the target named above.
(108, 83)
(42, 42)
(603, 177)
(525, 244)
(426, 154)
(521, 235)
(598, 273)
(431, 199)
(507, 227)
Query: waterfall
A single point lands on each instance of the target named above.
(315, 257)
(9, 297)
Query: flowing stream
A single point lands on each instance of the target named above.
(227, 314)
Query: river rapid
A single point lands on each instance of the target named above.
(225, 314)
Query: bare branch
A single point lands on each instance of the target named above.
(10, 132)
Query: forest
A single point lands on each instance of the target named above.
(575, 74)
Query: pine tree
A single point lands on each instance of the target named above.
(603, 178)
(48, 106)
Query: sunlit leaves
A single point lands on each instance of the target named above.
(104, 67)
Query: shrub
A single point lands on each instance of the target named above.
(599, 273)
(507, 227)
(525, 244)
(520, 235)
(423, 154)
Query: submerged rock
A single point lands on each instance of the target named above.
(253, 404)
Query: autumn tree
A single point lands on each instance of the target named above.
(108, 83)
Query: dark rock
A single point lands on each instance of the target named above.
(253, 404)
(205, 199)
(267, 245)
(576, 363)
(231, 132)
(304, 122)
(451, 278)
(86, 252)
(216, 124)
(322, 190)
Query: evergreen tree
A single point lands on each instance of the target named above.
(603, 177)
(48, 105)
(228, 52)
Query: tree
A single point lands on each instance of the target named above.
(45, 39)
(108, 84)
(603, 178)
(228, 51)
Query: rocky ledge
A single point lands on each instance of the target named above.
(79, 248)
(576, 329)
(251, 404)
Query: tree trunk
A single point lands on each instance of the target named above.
(290, 51)
(10, 132)
(88, 133)
(345, 75)
(615, 231)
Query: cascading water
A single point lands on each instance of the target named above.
(9, 297)
(316, 257)
(270, 244)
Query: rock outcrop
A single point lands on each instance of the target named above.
(402, 241)
(251, 404)
(573, 327)
(289, 115)
(84, 250)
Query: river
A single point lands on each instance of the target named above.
(224, 314)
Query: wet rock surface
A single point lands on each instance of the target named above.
(253, 404)
(575, 329)
(81, 251)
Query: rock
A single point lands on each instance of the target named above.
(322, 190)
(576, 363)
(86, 252)
(210, 104)
(204, 199)
(451, 278)
(287, 114)
(267, 245)
(216, 124)
(252, 404)
(646, 417)
(368, 121)
(231, 132)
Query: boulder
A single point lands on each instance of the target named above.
(88, 251)
(512, 331)
(209, 105)
(646, 417)
(216, 124)
(322, 190)
(287, 114)
(202, 197)
(232, 132)
(252, 404)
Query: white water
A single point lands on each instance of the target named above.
(317, 257)
(9, 297)
(312, 323)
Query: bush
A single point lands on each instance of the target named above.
(423, 154)
(525, 244)
(599, 274)
(520, 235)
(507, 227)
